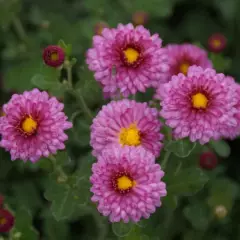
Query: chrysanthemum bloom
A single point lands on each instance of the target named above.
(33, 126)
(139, 18)
(53, 56)
(208, 160)
(1, 112)
(126, 123)
(232, 130)
(127, 59)
(198, 105)
(99, 27)
(217, 42)
(6, 220)
(126, 183)
(182, 56)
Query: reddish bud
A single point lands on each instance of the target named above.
(208, 160)
(6, 220)
(53, 56)
(140, 18)
(99, 27)
(217, 42)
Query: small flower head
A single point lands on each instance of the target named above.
(53, 56)
(99, 27)
(140, 18)
(208, 160)
(126, 123)
(198, 105)
(6, 220)
(126, 183)
(182, 56)
(127, 60)
(33, 126)
(217, 42)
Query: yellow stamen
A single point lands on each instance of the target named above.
(2, 220)
(54, 56)
(184, 68)
(199, 100)
(216, 43)
(29, 125)
(130, 136)
(124, 183)
(131, 55)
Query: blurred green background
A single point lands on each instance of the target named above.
(26, 28)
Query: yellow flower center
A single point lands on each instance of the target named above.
(131, 55)
(184, 68)
(29, 125)
(216, 43)
(199, 100)
(124, 183)
(130, 136)
(54, 56)
(2, 220)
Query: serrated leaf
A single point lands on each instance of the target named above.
(186, 182)
(23, 226)
(221, 148)
(181, 148)
(198, 215)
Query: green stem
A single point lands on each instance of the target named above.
(83, 104)
(57, 168)
(69, 75)
(19, 29)
(165, 159)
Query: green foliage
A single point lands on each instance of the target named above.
(51, 199)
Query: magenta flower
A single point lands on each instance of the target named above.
(53, 56)
(33, 126)
(127, 59)
(126, 183)
(217, 42)
(231, 128)
(182, 56)
(197, 105)
(6, 221)
(126, 122)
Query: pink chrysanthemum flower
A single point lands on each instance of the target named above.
(198, 105)
(127, 59)
(127, 184)
(126, 122)
(231, 131)
(33, 126)
(182, 56)
(53, 56)
(217, 42)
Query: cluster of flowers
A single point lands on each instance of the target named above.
(6, 218)
(196, 102)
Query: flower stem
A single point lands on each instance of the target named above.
(165, 159)
(19, 29)
(69, 74)
(62, 177)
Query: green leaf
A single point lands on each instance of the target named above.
(223, 191)
(186, 182)
(122, 229)
(220, 62)
(198, 215)
(221, 148)
(181, 148)
(23, 229)
(60, 194)
(170, 201)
